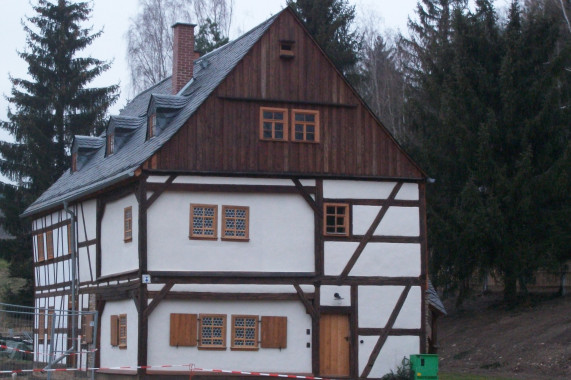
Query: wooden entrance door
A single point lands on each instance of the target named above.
(334, 345)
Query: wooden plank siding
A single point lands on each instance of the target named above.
(223, 135)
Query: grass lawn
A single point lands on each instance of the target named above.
(463, 376)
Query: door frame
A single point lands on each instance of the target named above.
(353, 335)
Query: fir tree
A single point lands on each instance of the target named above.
(330, 22)
(209, 37)
(50, 107)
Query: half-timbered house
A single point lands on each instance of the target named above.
(250, 213)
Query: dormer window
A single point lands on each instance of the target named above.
(74, 162)
(110, 144)
(286, 49)
(152, 122)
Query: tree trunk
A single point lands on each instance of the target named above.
(510, 287)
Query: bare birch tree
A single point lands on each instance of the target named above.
(149, 38)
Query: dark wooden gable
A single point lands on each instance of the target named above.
(223, 135)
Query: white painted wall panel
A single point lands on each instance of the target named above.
(281, 235)
(295, 358)
(234, 288)
(408, 192)
(84, 273)
(388, 259)
(90, 216)
(328, 295)
(376, 304)
(363, 217)
(336, 256)
(117, 255)
(394, 349)
(400, 221)
(410, 314)
(113, 356)
(357, 189)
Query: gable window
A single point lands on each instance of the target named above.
(50, 244)
(212, 331)
(286, 49)
(336, 216)
(128, 224)
(203, 223)
(152, 124)
(235, 222)
(40, 243)
(305, 126)
(273, 124)
(244, 332)
(110, 144)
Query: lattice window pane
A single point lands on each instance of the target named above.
(245, 332)
(203, 221)
(235, 222)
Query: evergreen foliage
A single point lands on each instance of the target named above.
(209, 37)
(46, 111)
(489, 107)
(330, 22)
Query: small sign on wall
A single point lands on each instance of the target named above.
(146, 279)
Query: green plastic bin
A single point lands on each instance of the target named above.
(424, 366)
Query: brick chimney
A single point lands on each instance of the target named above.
(183, 55)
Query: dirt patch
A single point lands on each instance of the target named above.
(531, 341)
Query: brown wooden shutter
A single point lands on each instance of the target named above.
(41, 326)
(274, 332)
(87, 328)
(114, 330)
(183, 330)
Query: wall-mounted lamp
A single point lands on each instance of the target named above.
(337, 296)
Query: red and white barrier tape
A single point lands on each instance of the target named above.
(45, 353)
(190, 366)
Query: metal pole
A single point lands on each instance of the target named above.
(96, 323)
(73, 276)
(52, 340)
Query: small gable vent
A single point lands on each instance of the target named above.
(286, 49)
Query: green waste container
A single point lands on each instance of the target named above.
(424, 366)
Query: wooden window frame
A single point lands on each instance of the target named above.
(202, 236)
(122, 331)
(317, 131)
(40, 247)
(273, 121)
(247, 220)
(49, 245)
(235, 330)
(128, 224)
(201, 345)
(336, 226)
(152, 124)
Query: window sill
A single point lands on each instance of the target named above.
(128, 240)
(275, 140)
(305, 142)
(244, 348)
(122, 347)
(245, 240)
(203, 237)
(213, 348)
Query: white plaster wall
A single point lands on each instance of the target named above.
(281, 234)
(113, 356)
(377, 259)
(408, 192)
(117, 255)
(90, 216)
(328, 295)
(376, 303)
(390, 357)
(234, 288)
(388, 259)
(398, 221)
(357, 189)
(295, 358)
(84, 273)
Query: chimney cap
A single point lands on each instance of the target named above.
(182, 24)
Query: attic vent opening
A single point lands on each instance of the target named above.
(286, 49)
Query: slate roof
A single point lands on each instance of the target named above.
(433, 299)
(101, 171)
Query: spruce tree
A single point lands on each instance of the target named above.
(50, 106)
(330, 22)
(209, 37)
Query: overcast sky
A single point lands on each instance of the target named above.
(113, 17)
